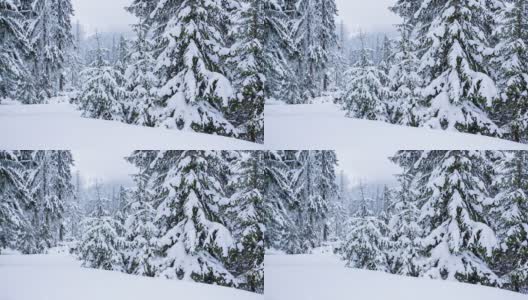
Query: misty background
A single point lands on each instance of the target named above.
(110, 16)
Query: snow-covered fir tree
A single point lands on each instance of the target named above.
(246, 112)
(300, 187)
(122, 54)
(74, 210)
(15, 198)
(14, 47)
(327, 184)
(328, 38)
(50, 37)
(310, 208)
(194, 91)
(246, 212)
(102, 95)
(366, 242)
(511, 63)
(193, 238)
(50, 186)
(405, 231)
(314, 37)
(366, 91)
(278, 195)
(141, 231)
(453, 198)
(510, 218)
(278, 48)
(386, 55)
(100, 246)
(405, 81)
(140, 80)
(458, 90)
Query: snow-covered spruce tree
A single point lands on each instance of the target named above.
(193, 240)
(50, 187)
(278, 47)
(122, 54)
(453, 199)
(194, 91)
(14, 47)
(366, 241)
(101, 246)
(246, 112)
(309, 210)
(245, 212)
(407, 10)
(141, 230)
(511, 61)
(144, 10)
(405, 231)
(310, 207)
(457, 87)
(405, 81)
(328, 38)
(50, 36)
(76, 60)
(314, 35)
(327, 183)
(387, 54)
(340, 61)
(140, 80)
(278, 196)
(74, 211)
(385, 200)
(102, 95)
(510, 216)
(366, 94)
(14, 199)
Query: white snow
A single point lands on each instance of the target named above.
(324, 126)
(60, 126)
(60, 277)
(322, 276)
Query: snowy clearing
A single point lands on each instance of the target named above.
(323, 276)
(60, 277)
(60, 126)
(324, 126)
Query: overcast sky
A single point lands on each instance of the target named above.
(368, 165)
(109, 165)
(370, 15)
(106, 165)
(105, 15)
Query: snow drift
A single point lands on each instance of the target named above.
(324, 126)
(60, 126)
(60, 277)
(323, 276)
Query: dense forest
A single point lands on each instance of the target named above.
(189, 65)
(454, 215)
(190, 215)
(454, 65)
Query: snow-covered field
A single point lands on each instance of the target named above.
(323, 276)
(324, 126)
(60, 277)
(60, 126)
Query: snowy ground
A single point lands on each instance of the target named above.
(324, 126)
(323, 276)
(60, 126)
(60, 277)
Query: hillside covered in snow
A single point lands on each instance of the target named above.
(60, 126)
(323, 276)
(325, 126)
(59, 277)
